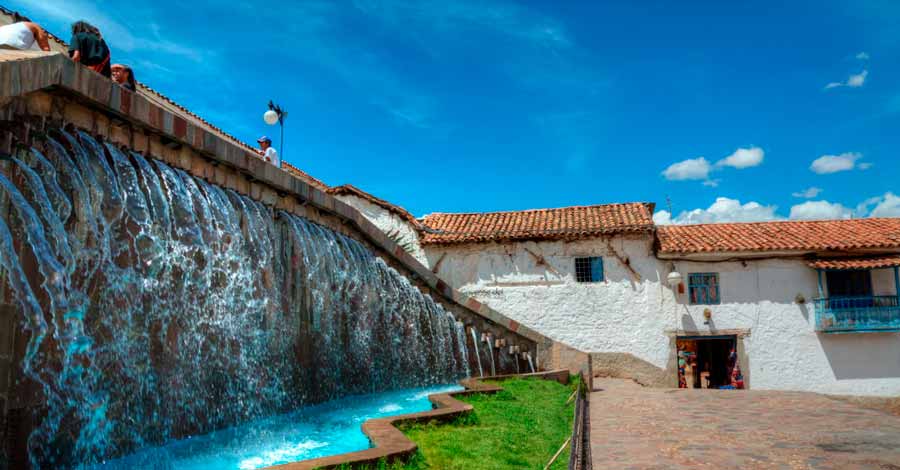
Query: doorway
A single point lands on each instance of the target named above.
(708, 362)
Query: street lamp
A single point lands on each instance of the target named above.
(276, 115)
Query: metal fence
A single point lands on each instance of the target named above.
(580, 456)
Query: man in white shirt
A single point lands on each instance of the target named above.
(24, 35)
(269, 153)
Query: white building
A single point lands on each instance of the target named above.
(805, 305)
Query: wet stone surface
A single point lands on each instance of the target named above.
(645, 428)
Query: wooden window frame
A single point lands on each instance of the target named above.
(699, 282)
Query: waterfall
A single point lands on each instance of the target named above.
(530, 362)
(490, 342)
(477, 354)
(157, 305)
(461, 346)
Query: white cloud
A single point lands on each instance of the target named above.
(864, 165)
(818, 210)
(450, 18)
(148, 37)
(700, 168)
(743, 158)
(723, 210)
(690, 169)
(862, 56)
(856, 81)
(863, 207)
(835, 163)
(731, 210)
(853, 81)
(808, 193)
(662, 218)
(887, 206)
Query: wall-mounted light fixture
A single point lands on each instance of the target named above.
(674, 278)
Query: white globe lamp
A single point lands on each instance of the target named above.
(271, 117)
(674, 279)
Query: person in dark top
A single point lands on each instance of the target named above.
(123, 75)
(88, 47)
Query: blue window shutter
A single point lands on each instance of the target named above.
(597, 269)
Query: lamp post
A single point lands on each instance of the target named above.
(276, 115)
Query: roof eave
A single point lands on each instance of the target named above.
(474, 239)
(756, 254)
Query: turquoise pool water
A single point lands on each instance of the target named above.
(327, 429)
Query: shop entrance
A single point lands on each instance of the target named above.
(708, 362)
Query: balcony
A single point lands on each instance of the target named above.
(864, 314)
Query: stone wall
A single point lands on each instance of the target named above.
(40, 91)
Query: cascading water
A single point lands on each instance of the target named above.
(158, 306)
(490, 342)
(477, 354)
(530, 362)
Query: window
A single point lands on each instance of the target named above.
(704, 288)
(589, 269)
(849, 289)
(849, 283)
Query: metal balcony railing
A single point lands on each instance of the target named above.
(864, 314)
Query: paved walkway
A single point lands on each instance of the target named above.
(644, 428)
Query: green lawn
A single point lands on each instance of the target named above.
(520, 427)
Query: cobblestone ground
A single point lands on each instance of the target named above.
(644, 428)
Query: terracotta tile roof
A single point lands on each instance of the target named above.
(820, 235)
(856, 263)
(539, 224)
(393, 208)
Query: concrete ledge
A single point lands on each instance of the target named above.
(390, 444)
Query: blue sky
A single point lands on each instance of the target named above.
(727, 110)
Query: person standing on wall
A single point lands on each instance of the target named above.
(88, 47)
(124, 76)
(269, 153)
(23, 35)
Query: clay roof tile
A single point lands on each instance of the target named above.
(539, 224)
(819, 235)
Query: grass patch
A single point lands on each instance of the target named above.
(520, 427)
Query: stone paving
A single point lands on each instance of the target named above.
(649, 428)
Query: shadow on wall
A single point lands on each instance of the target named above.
(628, 366)
(862, 356)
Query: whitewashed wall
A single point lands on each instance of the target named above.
(634, 314)
(593, 317)
(388, 222)
(626, 314)
(783, 348)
